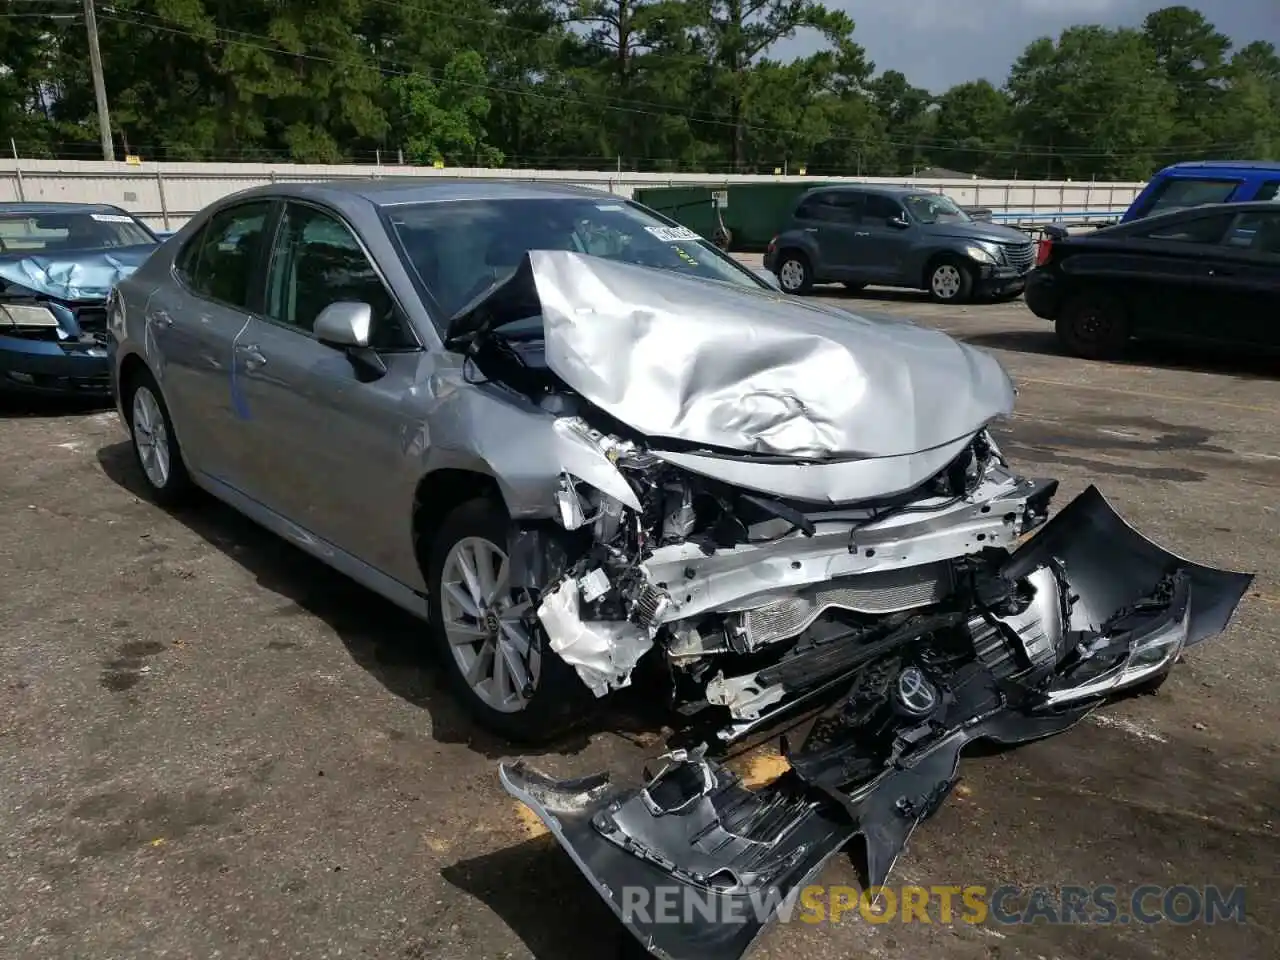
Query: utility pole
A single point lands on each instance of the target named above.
(99, 85)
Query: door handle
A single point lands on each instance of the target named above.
(253, 358)
(1220, 272)
(810, 229)
(862, 233)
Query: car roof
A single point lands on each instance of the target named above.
(36, 209)
(884, 190)
(395, 191)
(1224, 166)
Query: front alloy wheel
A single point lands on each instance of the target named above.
(484, 621)
(487, 634)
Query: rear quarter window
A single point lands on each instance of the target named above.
(1202, 230)
(1268, 190)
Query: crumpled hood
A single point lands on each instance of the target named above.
(74, 274)
(716, 365)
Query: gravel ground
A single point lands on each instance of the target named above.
(211, 746)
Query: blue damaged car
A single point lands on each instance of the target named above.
(58, 265)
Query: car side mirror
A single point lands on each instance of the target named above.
(347, 325)
(344, 324)
(900, 222)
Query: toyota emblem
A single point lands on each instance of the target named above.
(917, 695)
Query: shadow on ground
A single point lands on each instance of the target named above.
(17, 406)
(391, 644)
(565, 920)
(1240, 362)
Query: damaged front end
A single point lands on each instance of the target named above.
(53, 319)
(810, 521)
(1028, 644)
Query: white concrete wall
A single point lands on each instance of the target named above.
(167, 194)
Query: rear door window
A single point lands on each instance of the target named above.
(834, 207)
(230, 251)
(1178, 193)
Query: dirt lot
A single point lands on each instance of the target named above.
(212, 747)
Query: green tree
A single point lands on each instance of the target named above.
(974, 119)
(737, 32)
(442, 121)
(908, 121)
(28, 82)
(1249, 115)
(1096, 103)
(1194, 58)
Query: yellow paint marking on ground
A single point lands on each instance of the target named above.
(530, 825)
(760, 767)
(1144, 395)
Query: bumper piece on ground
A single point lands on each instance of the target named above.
(695, 865)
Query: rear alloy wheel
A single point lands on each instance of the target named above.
(155, 446)
(950, 281)
(794, 273)
(487, 632)
(1094, 326)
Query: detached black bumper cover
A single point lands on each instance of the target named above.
(695, 865)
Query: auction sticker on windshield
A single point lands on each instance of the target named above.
(673, 234)
(111, 218)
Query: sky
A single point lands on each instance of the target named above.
(939, 43)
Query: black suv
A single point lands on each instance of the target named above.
(897, 237)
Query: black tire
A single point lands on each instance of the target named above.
(802, 270)
(1094, 326)
(959, 285)
(853, 287)
(176, 488)
(558, 695)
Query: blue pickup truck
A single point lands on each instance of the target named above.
(1198, 182)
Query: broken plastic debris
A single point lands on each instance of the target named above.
(603, 652)
(569, 505)
(594, 585)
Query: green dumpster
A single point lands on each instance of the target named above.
(752, 212)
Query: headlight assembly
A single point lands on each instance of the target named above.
(982, 254)
(578, 504)
(27, 316)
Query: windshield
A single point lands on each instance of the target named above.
(461, 248)
(51, 233)
(935, 208)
